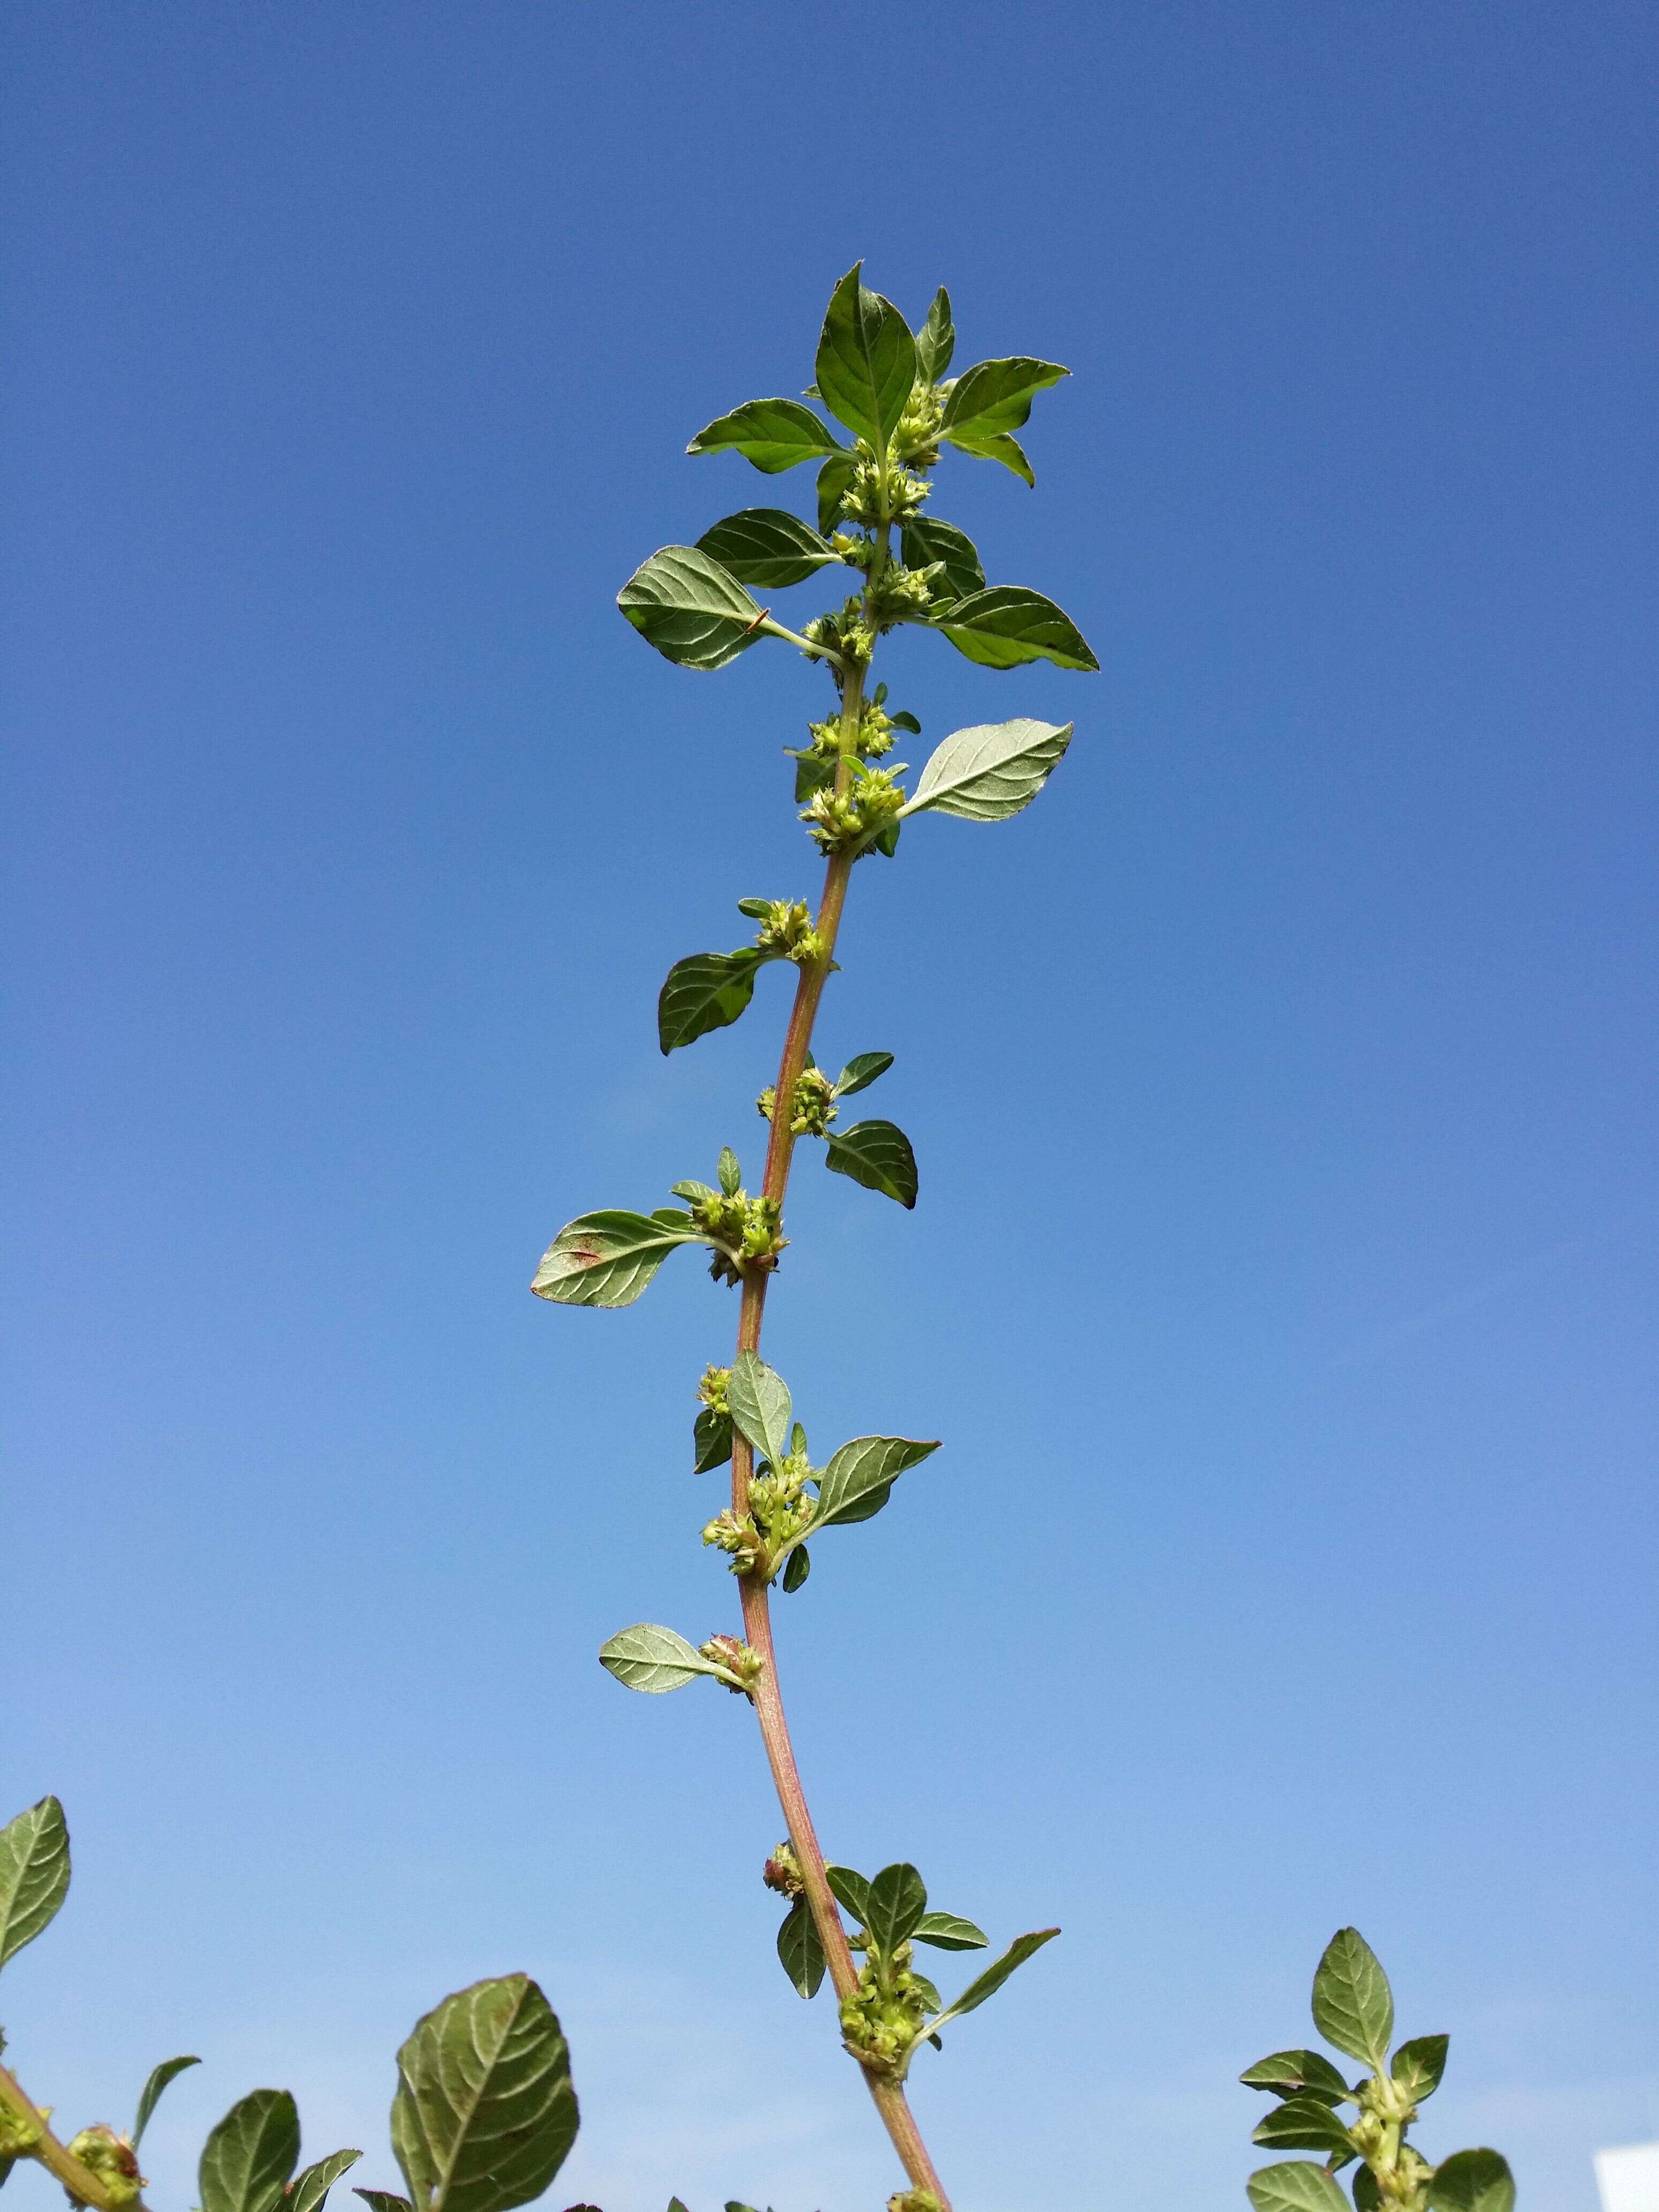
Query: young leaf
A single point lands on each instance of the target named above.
(834, 479)
(1473, 2181)
(705, 990)
(383, 2200)
(799, 1949)
(1367, 2196)
(690, 607)
(1008, 623)
(1004, 449)
(607, 1259)
(1287, 2072)
(796, 1569)
(866, 364)
(766, 546)
(730, 1172)
(759, 1399)
(878, 1154)
(1304, 2123)
(1418, 2065)
(1352, 2004)
(650, 1658)
(898, 1898)
(948, 1931)
(168, 2070)
(711, 1433)
(34, 1873)
(1295, 2186)
(990, 772)
(936, 341)
(851, 1890)
(928, 539)
(774, 434)
(485, 2113)
(308, 2191)
(867, 1465)
(861, 1071)
(247, 2158)
(988, 1984)
(995, 396)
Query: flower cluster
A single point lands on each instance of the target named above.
(885, 2013)
(711, 1391)
(786, 932)
(815, 1105)
(845, 821)
(738, 1658)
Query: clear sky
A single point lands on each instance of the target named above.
(1282, 1283)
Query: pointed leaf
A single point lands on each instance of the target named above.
(851, 1890)
(936, 341)
(607, 1259)
(928, 1992)
(308, 2191)
(797, 1569)
(799, 1949)
(34, 1873)
(1352, 2004)
(690, 607)
(1473, 2181)
(1418, 2065)
(711, 1433)
(876, 1154)
(168, 2070)
(774, 434)
(730, 1171)
(834, 479)
(861, 1071)
(1304, 2123)
(948, 1931)
(650, 1658)
(898, 1898)
(1295, 2186)
(1286, 2072)
(928, 539)
(766, 546)
(705, 990)
(485, 2112)
(383, 2200)
(995, 396)
(1004, 449)
(247, 2158)
(867, 1464)
(1009, 623)
(866, 364)
(759, 1399)
(991, 771)
(1022, 1948)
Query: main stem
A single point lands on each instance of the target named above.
(83, 2185)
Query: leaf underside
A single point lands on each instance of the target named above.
(485, 2113)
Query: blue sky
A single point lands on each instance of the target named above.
(1282, 1283)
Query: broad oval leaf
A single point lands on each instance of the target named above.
(247, 2158)
(34, 1873)
(651, 1658)
(949, 1931)
(711, 1436)
(851, 1889)
(834, 479)
(689, 607)
(867, 1465)
(760, 1403)
(861, 1071)
(928, 539)
(766, 546)
(1352, 2004)
(876, 1154)
(1305, 2123)
(1286, 2072)
(799, 1949)
(1295, 2186)
(308, 2191)
(1473, 2181)
(705, 990)
(936, 341)
(1008, 624)
(168, 2070)
(1418, 2065)
(607, 1259)
(1022, 1948)
(774, 434)
(1002, 448)
(898, 1900)
(995, 396)
(485, 2112)
(866, 363)
(991, 771)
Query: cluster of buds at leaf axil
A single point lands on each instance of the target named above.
(711, 1391)
(746, 1230)
(843, 822)
(786, 931)
(846, 634)
(880, 2025)
(736, 1535)
(738, 1658)
(815, 1107)
(112, 2159)
(782, 1871)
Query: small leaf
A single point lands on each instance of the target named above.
(851, 1890)
(650, 1658)
(690, 607)
(607, 1259)
(247, 2158)
(759, 1399)
(1304, 2123)
(861, 1071)
(1473, 2181)
(936, 341)
(1352, 2004)
(1022, 1948)
(705, 991)
(774, 434)
(484, 2113)
(907, 721)
(866, 363)
(928, 539)
(928, 1992)
(1295, 2186)
(168, 2070)
(34, 1873)
(866, 1465)
(730, 1172)
(766, 546)
(995, 396)
(383, 2200)
(1418, 2065)
(1006, 450)
(876, 1154)
(1286, 2072)
(799, 1949)
(797, 1569)
(991, 771)
(711, 1433)
(834, 479)
(308, 2191)
(1367, 2196)
(898, 1898)
(948, 1931)
(1009, 623)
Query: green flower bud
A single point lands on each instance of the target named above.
(782, 1871)
(112, 2159)
(736, 1657)
(711, 1391)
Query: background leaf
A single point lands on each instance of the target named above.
(383, 2200)
(834, 479)
(247, 2158)
(766, 546)
(995, 396)
(654, 1659)
(774, 434)
(867, 1464)
(927, 538)
(861, 1071)
(688, 606)
(1295, 2186)
(1352, 2004)
(485, 2112)
(936, 341)
(168, 2070)
(799, 1949)
(760, 1403)
(1473, 2181)
(1418, 2065)
(948, 1931)
(987, 1984)
(703, 992)
(711, 1435)
(797, 1568)
(1304, 2123)
(308, 2191)
(866, 363)
(1009, 623)
(607, 1259)
(876, 1154)
(34, 1873)
(991, 771)
(898, 1898)
(1284, 2072)
(850, 1889)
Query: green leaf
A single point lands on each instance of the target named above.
(1286, 2072)
(876, 1154)
(766, 546)
(168, 2070)
(859, 1468)
(906, 721)
(1304, 2123)
(1418, 2065)
(485, 2112)
(995, 396)
(834, 479)
(711, 1433)
(1367, 2196)
(1007, 625)
(812, 773)
(759, 1399)
(248, 2157)
(705, 990)
(1022, 1948)
(607, 1259)
(990, 772)
(34, 1873)
(948, 1931)
(690, 607)
(851, 1890)
(1295, 2186)
(797, 1569)
(898, 1898)
(936, 341)
(774, 434)
(861, 1071)
(1352, 2004)
(1006, 450)
(308, 2191)
(799, 1949)
(866, 363)
(926, 539)
(383, 2200)
(730, 1172)
(650, 1658)
(1473, 2181)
